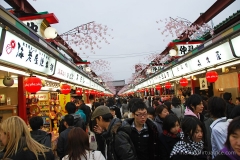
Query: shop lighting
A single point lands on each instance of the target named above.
(44, 78)
(6, 69)
(190, 75)
(224, 65)
(176, 79)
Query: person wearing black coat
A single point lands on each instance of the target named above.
(78, 121)
(39, 135)
(144, 133)
(86, 109)
(62, 139)
(116, 135)
(170, 136)
(18, 143)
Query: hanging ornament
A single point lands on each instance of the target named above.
(158, 87)
(212, 76)
(183, 82)
(32, 84)
(168, 85)
(79, 91)
(92, 92)
(65, 89)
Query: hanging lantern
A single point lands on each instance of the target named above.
(158, 87)
(8, 81)
(79, 91)
(211, 76)
(183, 82)
(92, 92)
(168, 85)
(32, 84)
(65, 89)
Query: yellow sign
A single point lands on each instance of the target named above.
(63, 98)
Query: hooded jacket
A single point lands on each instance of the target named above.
(78, 122)
(154, 145)
(42, 137)
(119, 144)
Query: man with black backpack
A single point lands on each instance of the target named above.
(78, 121)
(37, 134)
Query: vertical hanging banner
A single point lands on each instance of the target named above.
(203, 83)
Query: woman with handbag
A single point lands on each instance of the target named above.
(78, 147)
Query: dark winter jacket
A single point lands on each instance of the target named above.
(159, 123)
(222, 157)
(62, 142)
(86, 109)
(78, 122)
(26, 154)
(166, 145)
(207, 122)
(42, 137)
(229, 109)
(153, 140)
(119, 144)
(188, 157)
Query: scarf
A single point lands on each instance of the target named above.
(178, 135)
(230, 153)
(184, 148)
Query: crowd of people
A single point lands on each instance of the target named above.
(133, 128)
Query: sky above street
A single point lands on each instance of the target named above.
(135, 31)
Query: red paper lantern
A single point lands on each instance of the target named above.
(183, 82)
(158, 87)
(79, 91)
(168, 85)
(65, 89)
(32, 84)
(92, 92)
(211, 76)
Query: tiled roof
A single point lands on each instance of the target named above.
(223, 22)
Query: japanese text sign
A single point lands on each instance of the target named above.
(214, 56)
(20, 53)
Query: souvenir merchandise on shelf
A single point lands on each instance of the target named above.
(47, 106)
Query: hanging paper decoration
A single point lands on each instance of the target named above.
(212, 76)
(32, 84)
(92, 92)
(183, 82)
(65, 89)
(79, 91)
(168, 85)
(158, 87)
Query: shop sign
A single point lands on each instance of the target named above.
(34, 25)
(66, 73)
(41, 97)
(20, 53)
(212, 57)
(185, 48)
(165, 76)
(181, 69)
(236, 46)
